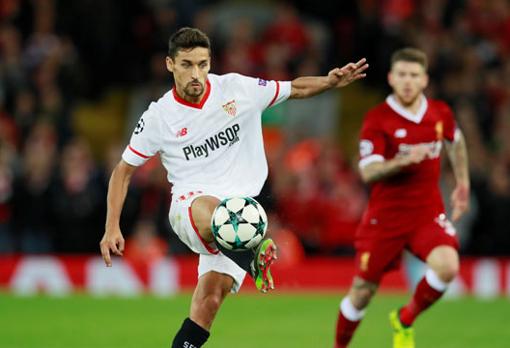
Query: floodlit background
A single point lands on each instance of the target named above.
(76, 75)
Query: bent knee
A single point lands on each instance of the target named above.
(361, 293)
(447, 272)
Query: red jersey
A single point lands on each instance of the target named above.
(411, 196)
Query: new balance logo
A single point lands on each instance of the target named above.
(182, 132)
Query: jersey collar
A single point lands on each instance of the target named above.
(194, 105)
(399, 109)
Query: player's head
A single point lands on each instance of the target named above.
(408, 74)
(189, 60)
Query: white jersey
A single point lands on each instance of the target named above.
(216, 146)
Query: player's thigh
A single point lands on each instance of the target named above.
(185, 213)
(202, 209)
(376, 256)
(435, 242)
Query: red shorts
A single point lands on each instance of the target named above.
(377, 254)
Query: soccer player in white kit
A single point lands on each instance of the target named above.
(208, 133)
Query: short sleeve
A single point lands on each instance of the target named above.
(372, 143)
(450, 126)
(266, 93)
(144, 141)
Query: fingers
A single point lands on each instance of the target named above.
(358, 67)
(359, 76)
(460, 206)
(116, 246)
(456, 214)
(362, 68)
(458, 211)
(121, 245)
(338, 72)
(105, 251)
(360, 62)
(355, 69)
(349, 68)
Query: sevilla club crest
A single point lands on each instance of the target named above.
(230, 108)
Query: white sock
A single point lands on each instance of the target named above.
(434, 281)
(349, 311)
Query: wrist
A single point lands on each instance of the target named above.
(464, 184)
(111, 225)
(328, 82)
(399, 162)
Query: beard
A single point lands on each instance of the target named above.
(409, 99)
(194, 91)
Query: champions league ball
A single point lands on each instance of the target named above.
(239, 223)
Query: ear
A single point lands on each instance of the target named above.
(390, 78)
(170, 64)
(425, 81)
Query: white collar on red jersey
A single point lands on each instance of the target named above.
(399, 109)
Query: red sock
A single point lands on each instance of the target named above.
(424, 296)
(344, 330)
(349, 318)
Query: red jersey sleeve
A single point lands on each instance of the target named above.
(449, 124)
(372, 143)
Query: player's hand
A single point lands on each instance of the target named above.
(460, 201)
(340, 77)
(112, 241)
(414, 155)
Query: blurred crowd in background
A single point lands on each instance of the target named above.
(75, 77)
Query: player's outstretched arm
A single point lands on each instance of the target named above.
(457, 153)
(117, 190)
(381, 170)
(307, 86)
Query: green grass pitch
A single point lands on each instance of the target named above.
(245, 321)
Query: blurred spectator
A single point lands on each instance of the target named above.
(24, 112)
(287, 31)
(12, 74)
(144, 247)
(247, 57)
(6, 193)
(314, 118)
(33, 215)
(158, 84)
(319, 197)
(291, 252)
(79, 200)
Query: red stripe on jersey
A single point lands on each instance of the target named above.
(209, 249)
(138, 153)
(276, 94)
(194, 105)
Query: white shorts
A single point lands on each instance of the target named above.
(210, 258)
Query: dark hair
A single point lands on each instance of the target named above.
(187, 38)
(410, 54)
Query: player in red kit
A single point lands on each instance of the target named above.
(400, 146)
